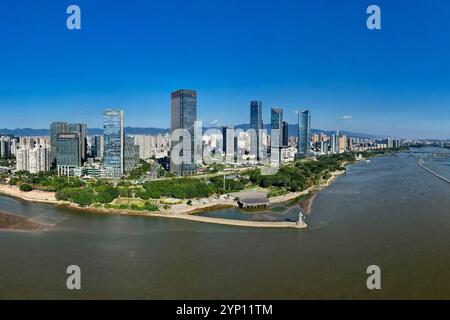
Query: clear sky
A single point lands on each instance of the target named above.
(293, 54)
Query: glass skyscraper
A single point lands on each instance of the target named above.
(276, 119)
(131, 154)
(256, 123)
(113, 141)
(57, 128)
(304, 133)
(68, 150)
(183, 116)
(81, 129)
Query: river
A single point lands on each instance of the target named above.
(389, 212)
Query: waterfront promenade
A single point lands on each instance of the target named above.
(231, 222)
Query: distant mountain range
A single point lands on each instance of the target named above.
(293, 130)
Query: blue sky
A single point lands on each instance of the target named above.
(293, 54)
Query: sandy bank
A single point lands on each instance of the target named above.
(293, 195)
(34, 195)
(179, 211)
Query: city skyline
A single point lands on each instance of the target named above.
(224, 156)
(350, 76)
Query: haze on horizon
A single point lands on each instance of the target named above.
(292, 54)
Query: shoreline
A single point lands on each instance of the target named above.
(32, 196)
(15, 193)
(180, 211)
(316, 188)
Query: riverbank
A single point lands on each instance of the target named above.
(179, 211)
(12, 222)
(34, 195)
(293, 195)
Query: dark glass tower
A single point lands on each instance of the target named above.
(184, 116)
(57, 128)
(304, 133)
(81, 130)
(68, 150)
(256, 123)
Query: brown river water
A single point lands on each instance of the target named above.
(389, 212)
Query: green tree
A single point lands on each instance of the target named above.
(25, 187)
(106, 194)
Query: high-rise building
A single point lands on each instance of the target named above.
(39, 159)
(149, 146)
(304, 133)
(97, 147)
(342, 143)
(393, 143)
(14, 143)
(57, 128)
(146, 144)
(350, 143)
(256, 123)
(184, 117)
(33, 159)
(335, 142)
(113, 141)
(163, 141)
(5, 146)
(68, 153)
(81, 130)
(285, 134)
(315, 138)
(131, 154)
(228, 142)
(324, 146)
(22, 158)
(276, 136)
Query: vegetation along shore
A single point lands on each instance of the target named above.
(181, 197)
